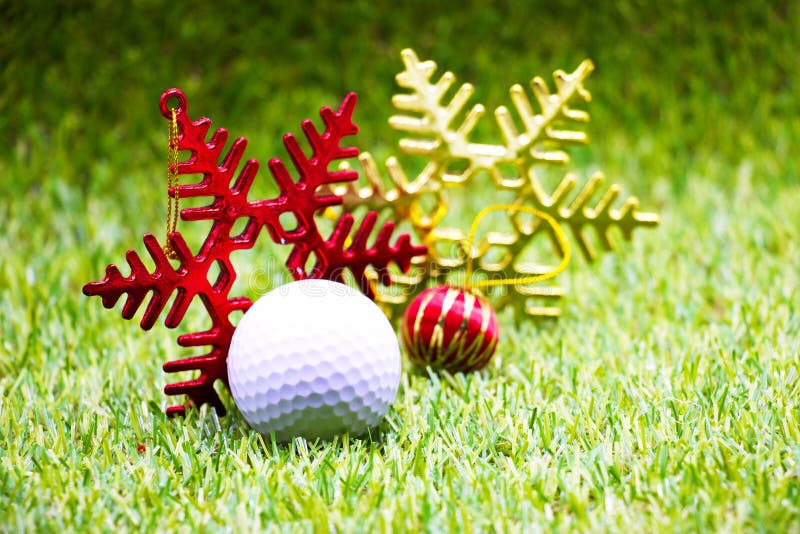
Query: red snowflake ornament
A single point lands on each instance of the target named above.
(331, 256)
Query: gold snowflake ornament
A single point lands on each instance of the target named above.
(438, 130)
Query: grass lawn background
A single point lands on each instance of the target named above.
(667, 397)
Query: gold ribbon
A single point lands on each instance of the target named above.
(561, 239)
(173, 201)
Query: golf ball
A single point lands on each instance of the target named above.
(313, 358)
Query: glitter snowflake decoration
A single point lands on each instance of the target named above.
(312, 255)
(438, 129)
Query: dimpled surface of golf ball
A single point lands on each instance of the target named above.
(313, 358)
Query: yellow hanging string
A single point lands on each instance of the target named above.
(561, 240)
(173, 200)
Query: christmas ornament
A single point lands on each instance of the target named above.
(438, 134)
(455, 328)
(311, 256)
(450, 328)
(314, 358)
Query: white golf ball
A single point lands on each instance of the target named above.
(313, 358)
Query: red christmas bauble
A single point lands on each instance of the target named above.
(449, 328)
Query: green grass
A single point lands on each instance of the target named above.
(667, 397)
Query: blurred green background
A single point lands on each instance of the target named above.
(677, 83)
